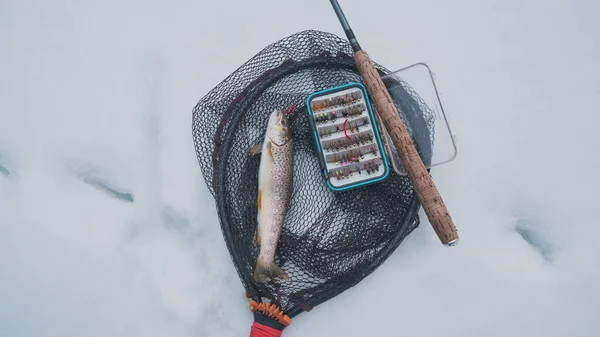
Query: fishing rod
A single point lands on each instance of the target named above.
(425, 188)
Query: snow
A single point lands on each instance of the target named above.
(107, 229)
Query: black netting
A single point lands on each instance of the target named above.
(330, 241)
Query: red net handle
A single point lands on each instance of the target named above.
(260, 330)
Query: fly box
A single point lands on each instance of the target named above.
(347, 138)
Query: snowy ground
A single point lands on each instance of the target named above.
(106, 228)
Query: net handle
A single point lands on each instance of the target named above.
(261, 330)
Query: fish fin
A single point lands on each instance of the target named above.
(256, 238)
(270, 149)
(259, 199)
(256, 149)
(263, 272)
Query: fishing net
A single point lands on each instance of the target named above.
(330, 240)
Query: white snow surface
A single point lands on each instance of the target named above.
(108, 87)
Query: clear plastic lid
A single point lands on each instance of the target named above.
(416, 97)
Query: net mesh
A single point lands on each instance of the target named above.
(330, 240)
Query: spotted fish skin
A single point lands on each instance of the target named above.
(274, 192)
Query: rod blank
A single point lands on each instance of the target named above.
(349, 33)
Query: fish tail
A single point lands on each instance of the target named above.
(265, 271)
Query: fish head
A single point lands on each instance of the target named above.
(278, 129)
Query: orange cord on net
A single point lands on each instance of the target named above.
(271, 310)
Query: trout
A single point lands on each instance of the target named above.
(274, 191)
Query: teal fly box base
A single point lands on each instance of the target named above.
(347, 138)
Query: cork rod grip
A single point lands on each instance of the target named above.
(427, 192)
